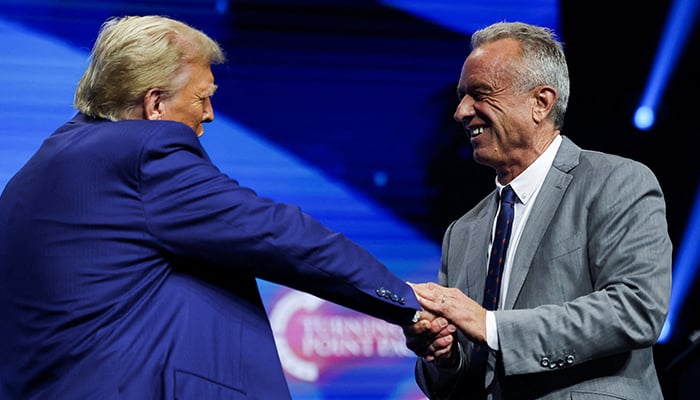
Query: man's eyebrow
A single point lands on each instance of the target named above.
(212, 89)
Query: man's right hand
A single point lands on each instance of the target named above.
(431, 337)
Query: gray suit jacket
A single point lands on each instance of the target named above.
(589, 288)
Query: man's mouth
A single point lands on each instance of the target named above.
(476, 131)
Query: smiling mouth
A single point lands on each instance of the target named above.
(476, 131)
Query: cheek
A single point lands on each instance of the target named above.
(494, 110)
(510, 116)
(199, 109)
(191, 113)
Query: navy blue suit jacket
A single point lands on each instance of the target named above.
(128, 265)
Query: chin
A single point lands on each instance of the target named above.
(479, 159)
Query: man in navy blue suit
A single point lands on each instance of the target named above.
(128, 261)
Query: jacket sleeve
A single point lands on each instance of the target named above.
(197, 214)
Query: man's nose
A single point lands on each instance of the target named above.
(208, 112)
(465, 109)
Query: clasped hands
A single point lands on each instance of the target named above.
(445, 310)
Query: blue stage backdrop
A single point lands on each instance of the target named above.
(339, 107)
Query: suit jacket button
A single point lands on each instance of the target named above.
(570, 359)
(381, 292)
(544, 362)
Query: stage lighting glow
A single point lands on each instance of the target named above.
(380, 178)
(644, 118)
(685, 269)
(466, 16)
(679, 23)
(681, 19)
(222, 6)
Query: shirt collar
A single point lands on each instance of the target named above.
(528, 182)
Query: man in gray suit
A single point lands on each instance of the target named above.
(586, 274)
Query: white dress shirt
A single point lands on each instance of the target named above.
(526, 187)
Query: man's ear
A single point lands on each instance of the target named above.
(153, 104)
(544, 98)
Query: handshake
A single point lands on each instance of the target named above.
(445, 310)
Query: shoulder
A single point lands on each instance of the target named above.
(154, 130)
(147, 136)
(127, 143)
(599, 166)
(125, 131)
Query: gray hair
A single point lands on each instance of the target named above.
(134, 54)
(543, 59)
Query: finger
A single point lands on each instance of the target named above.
(423, 289)
(438, 325)
(427, 315)
(420, 347)
(443, 327)
(433, 292)
(442, 342)
(444, 353)
(424, 327)
(438, 348)
(429, 304)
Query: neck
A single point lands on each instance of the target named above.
(525, 157)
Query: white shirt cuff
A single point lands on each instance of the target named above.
(491, 331)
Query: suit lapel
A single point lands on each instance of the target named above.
(546, 205)
(474, 259)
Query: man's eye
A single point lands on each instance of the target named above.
(477, 96)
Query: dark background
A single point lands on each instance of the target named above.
(610, 52)
(366, 93)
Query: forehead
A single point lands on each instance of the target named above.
(491, 61)
(200, 77)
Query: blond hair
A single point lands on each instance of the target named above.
(134, 54)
